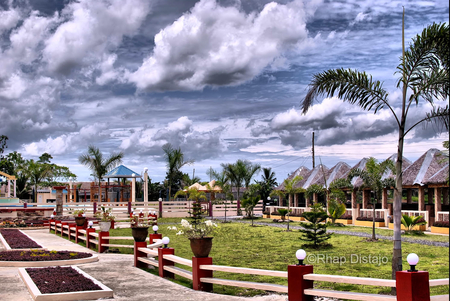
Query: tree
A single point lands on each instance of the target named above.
(336, 198)
(240, 173)
(222, 182)
(188, 181)
(37, 173)
(290, 188)
(267, 183)
(372, 178)
(250, 200)
(174, 162)
(423, 76)
(100, 166)
(315, 231)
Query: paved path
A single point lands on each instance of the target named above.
(117, 272)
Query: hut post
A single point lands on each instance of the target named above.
(409, 195)
(355, 212)
(421, 198)
(437, 202)
(430, 196)
(366, 198)
(384, 199)
(445, 195)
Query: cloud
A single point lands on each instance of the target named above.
(65, 143)
(214, 45)
(360, 17)
(90, 29)
(8, 19)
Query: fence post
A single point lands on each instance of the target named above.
(129, 207)
(137, 253)
(50, 224)
(198, 273)
(238, 207)
(62, 227)
(112, 224)
(102, 240)
(78, 228)
(71, 226)
(88, 236)
(153, 236)
(95, 207)
(296, 283)
(210, 208)
(412, 286)
(160, 208)
(25, 205)
(56, 226)
(163, 262)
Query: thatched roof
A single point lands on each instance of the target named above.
(302, 171)
(441, 177)
(422, 171)
(315, 177)
(338, 171)
(358, 182)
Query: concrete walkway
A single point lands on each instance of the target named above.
(117, 272)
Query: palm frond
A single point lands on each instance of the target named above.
(349, 85)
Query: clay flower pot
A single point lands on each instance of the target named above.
(201, 246)
(139, 233)
(80, 220)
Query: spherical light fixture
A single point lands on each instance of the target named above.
(412, 259)
(91, 223)
(145, 169)
(155, 228)
(165, 241)
(160, 199)
(301, 255)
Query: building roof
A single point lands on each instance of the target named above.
(423, 170)
(122, 171)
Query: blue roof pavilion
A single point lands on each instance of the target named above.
(122, 171)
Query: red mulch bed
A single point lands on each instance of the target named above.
(60, 280)
(18, 240)
(41, 255)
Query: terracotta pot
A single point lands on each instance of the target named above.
(139, 233)
(104, 226)
(80, 220)
(201, 246)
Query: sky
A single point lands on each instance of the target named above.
(221, 79)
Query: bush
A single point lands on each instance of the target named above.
(346, 216)
(369, 219)
(441, 224)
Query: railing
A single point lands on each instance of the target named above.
(442, 216)
(379, 213)
(418, 213)
(300, 278)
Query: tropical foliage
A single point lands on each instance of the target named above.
(174, 162)
(98, 164)
(315, 231)
(240, 173)
(424, 76)
(409, 222)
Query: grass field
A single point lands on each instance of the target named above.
(271, 248)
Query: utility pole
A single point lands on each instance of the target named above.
(193, 174)
(313, 159)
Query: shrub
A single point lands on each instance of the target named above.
(346, 216)
(314, 231)
(441, 224)
(369, 219)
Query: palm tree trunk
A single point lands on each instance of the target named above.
(397, 251)
(373, 218)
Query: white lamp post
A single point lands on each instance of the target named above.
(91, 223)
(300, 254)
(412, 259)
(133, 188)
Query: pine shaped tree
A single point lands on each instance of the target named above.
(315, 231)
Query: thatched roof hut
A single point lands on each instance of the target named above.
(316, 176)
(302, 171)
(422, 171)
(338, 171)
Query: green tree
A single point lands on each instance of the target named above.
(267, 183)
(37, 173)
(240, 173)
(336, 198)
(372, 177)
(424, 76)
(98, 164)
(188, 181)
(174, 162)
(222, 182)
(315, 231)
(195, 195)
(290, 189)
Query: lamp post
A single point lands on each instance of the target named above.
(160, 207)
(155, 229)
(300, 254)
(133, 188)
(267, 204)
(146, 188)
(91, 223)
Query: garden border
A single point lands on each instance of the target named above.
(8, 247)
(35, 293)
(43, 264)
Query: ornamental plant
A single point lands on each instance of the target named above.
(105, 215)
(410, 221)
(78, 212)
(194, 231)
(315, 231)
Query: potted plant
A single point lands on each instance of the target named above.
(139, 228)
(198, 231)
(106, 218)
(80, 217)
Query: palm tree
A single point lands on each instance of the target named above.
(424, 76)
(174, 162)
(372, 178)
(222, 182)
(37, 172)
(99, 165)
(240, 173)
(267, 183)
(289, 189)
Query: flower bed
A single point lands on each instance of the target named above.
(441, 227)
(367, 222)
(63, 283)
(17, 240)
(41, 255)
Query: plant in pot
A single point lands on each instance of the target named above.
(80, 217)
(199, 231)
(139, 228)
(106, 217)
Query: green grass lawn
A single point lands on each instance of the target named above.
(271, 248)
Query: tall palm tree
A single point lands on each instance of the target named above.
(372, 178)
(424, 76)
(240, 173)
(98, 164)
(174, 162)
(37, 173)
(267, 183)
